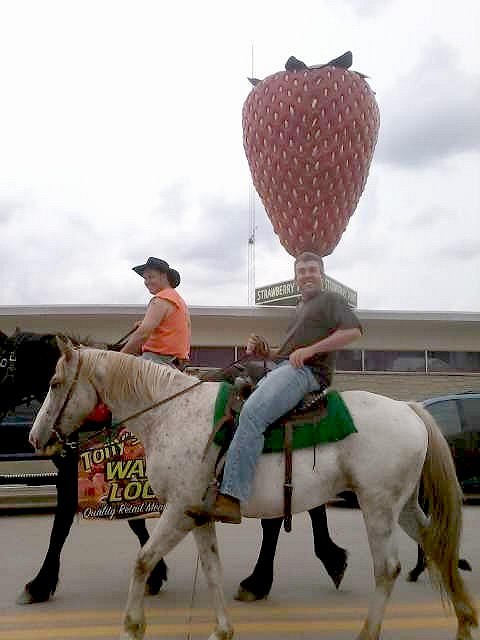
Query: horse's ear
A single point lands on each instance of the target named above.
(66, 347)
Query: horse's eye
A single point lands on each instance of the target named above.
(54, 384)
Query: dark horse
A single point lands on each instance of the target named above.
(27, 363)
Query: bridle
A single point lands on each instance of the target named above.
(61, 437)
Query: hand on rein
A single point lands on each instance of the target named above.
(258, 346)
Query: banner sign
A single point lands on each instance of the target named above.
(112, 481)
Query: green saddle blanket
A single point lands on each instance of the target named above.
(336, 425)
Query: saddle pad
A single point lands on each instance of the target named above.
(336, 425)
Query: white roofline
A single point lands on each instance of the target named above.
(260, 311)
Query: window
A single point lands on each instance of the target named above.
(471, 412)
(212, 356)
(400, 361)
(446, 414)
(454, 361)
(349, 360)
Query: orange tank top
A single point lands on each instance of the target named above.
(172, 336)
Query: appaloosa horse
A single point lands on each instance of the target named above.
(397, 446)
(29, 361)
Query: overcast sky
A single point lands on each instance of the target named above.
(121, 138)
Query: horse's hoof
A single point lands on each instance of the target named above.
(25, 597)
(152, 589)
(154, 584)
(412, 577)
(464, 565)
(135, 631)
(338, 577)
(243, 595)
(337, 574)
(156, 579)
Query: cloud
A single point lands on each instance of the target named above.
(137, 151)
(431, 113)
(9, 207)
(366, 8)
(67, 258)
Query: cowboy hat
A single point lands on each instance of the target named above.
(160, 265)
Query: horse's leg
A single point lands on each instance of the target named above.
(45, 582)
(411, 519)
(421, 565)
(419, 568)
(380, 524)
(333, 557)
(170, 529)
(206, 540)
(159, 572)
(259, 583)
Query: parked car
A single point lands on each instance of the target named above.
(26, 479)
(458, 415)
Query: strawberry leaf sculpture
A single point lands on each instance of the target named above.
(309, 134)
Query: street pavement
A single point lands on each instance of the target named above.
(98, 558)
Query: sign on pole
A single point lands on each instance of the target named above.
(286, 292)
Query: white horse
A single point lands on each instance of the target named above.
(398, 445)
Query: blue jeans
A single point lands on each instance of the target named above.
(277, 393)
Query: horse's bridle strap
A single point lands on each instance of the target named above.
(61, 437)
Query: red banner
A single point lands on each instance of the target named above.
(112, 481)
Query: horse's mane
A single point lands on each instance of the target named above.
(86, 341)
(130, 375)
(20, 337)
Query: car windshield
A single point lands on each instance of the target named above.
(447, 415)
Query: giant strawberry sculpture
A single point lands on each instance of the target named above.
(309, 134)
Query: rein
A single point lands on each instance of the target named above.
(114, 426)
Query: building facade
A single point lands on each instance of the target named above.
(402, 354)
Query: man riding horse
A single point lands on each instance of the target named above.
(324, 323)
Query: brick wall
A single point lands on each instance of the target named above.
(408, 386)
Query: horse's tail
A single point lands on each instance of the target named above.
(443, 502)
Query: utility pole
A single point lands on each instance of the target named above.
(251, 235)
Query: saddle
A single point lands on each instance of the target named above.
(312, 406)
